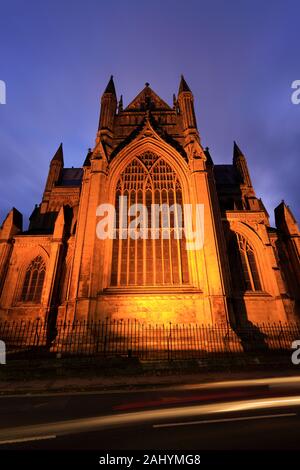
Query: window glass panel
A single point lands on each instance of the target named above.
(148, 179)
(254, 271)
(33, 281)
(243, 265)
(25, 285)
(246, 272)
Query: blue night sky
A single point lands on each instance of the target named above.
(239, 58)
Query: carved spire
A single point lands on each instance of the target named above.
(59, 155)
(108, 107)
(87, 161)
(12, 224)
(240, 162)
(183, 86)
(55, 170)
(285, 220)
(209, 160)
(110, 88)
(237, 151)
(186, 106)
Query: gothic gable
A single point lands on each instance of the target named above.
(147, 99)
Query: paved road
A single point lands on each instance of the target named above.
(277, 430)
(258, 415)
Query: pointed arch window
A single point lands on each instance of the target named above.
(154, 260)
(34, 281)
(247, 274)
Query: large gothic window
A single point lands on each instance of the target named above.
(159, 257)
(33, 281)
(243, 265)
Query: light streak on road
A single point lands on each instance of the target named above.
(128, 419)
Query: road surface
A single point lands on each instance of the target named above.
(258, 414)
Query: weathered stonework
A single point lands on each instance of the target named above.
(247, 271)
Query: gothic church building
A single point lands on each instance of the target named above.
(150, 152)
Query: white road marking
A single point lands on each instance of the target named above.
(224, 420)
(27, 439)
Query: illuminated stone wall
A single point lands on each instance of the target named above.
(87, 278)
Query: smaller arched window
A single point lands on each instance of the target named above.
(243, 265)
(249, 266)
(33, 281)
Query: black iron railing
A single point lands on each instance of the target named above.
(146, 341)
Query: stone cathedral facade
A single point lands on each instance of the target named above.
(150, 152)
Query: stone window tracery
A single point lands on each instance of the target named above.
(244, 266)
(160, 257)
(34, 281)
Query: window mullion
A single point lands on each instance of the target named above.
(161, 237)
(152, 237)
(169, 237)
(177, 237)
